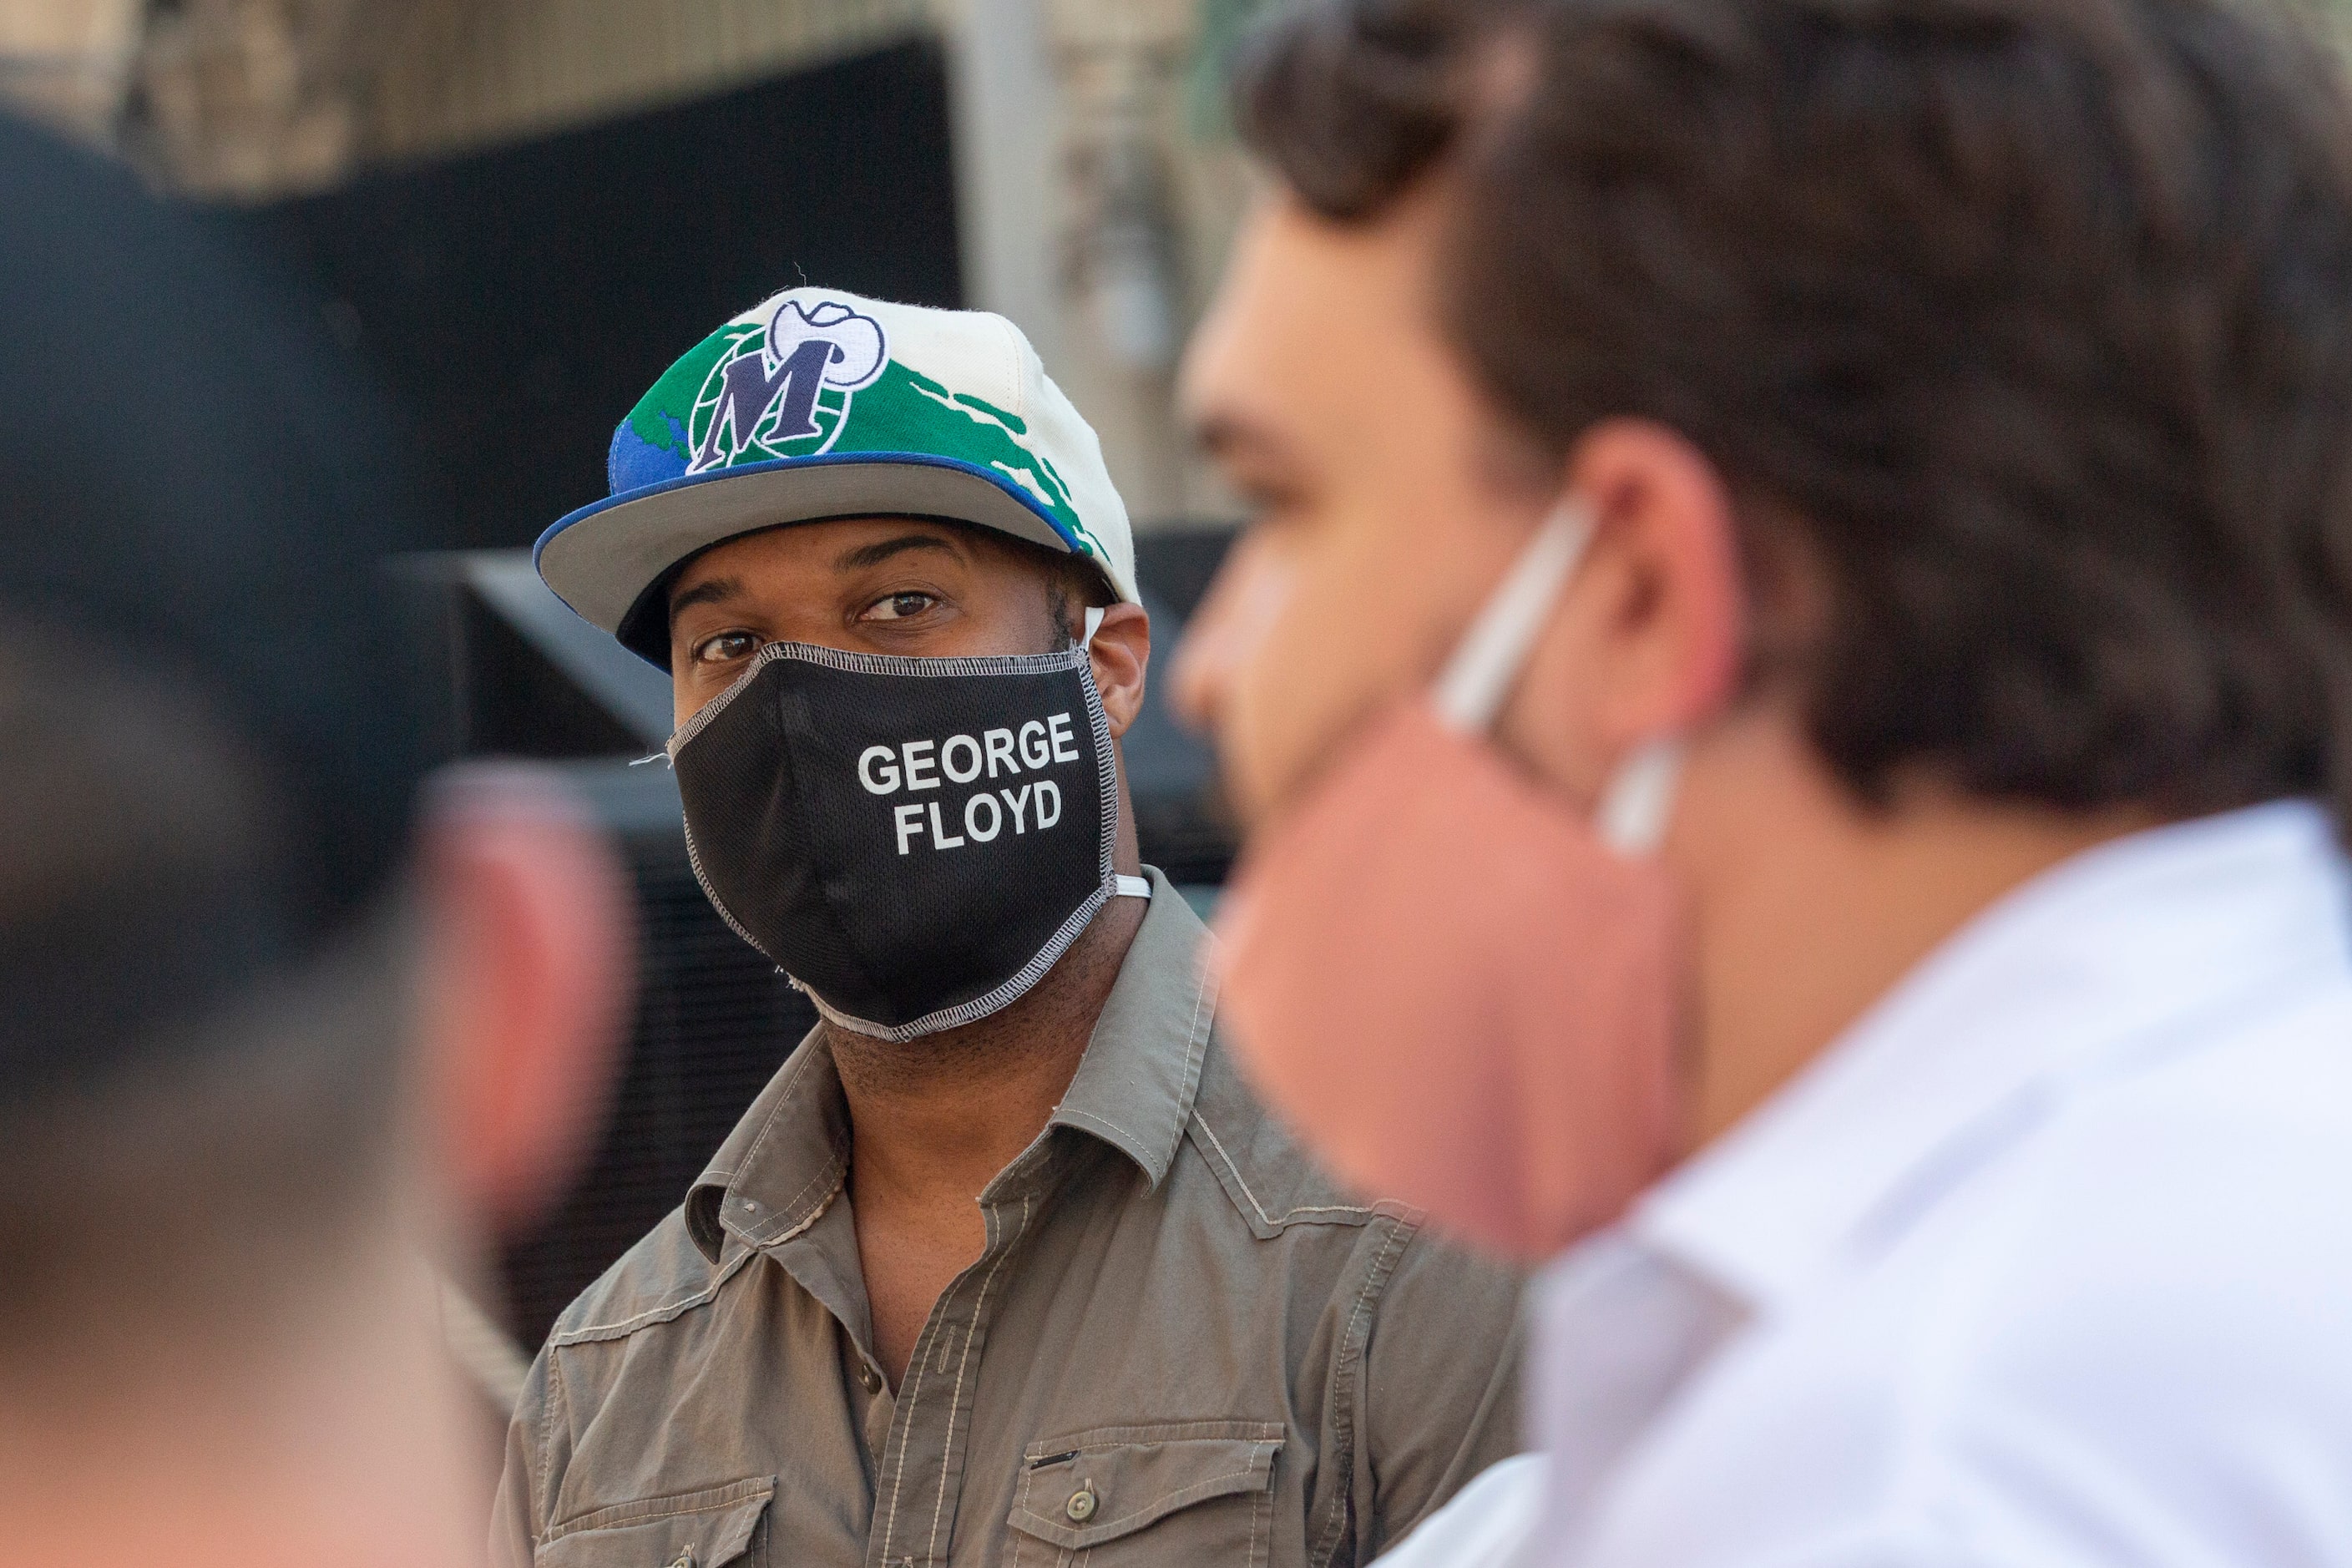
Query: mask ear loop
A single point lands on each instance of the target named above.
(1638, 802)
(1471, 689)
(1122, 885)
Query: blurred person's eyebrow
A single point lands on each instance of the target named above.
(874, 554)
(717, 591)
(1227, 434)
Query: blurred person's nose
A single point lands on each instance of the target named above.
(1229, 628)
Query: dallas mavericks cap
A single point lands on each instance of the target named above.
(819, 405)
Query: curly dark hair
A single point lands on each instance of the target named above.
(2028, 322)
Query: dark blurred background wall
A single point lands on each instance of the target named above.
(521, 298)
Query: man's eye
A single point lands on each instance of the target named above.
(725, 647)
(898, 607)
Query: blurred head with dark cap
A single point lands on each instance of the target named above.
(278, 1036)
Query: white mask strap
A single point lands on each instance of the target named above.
(1639, 801)
(1472, 688)
(1122, 885)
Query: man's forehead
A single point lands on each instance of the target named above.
(832, 546)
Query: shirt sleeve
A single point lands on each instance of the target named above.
(1439, 1389)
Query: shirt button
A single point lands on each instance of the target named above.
(684, 1559)
(1082, 1504)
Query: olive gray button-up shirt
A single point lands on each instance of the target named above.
(1181, 1343)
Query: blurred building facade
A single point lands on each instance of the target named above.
(1095, 192)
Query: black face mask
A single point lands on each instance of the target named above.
(914, 841)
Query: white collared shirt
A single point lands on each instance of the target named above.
(2047, 1261)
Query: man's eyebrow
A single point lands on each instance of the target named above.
(865, 555)
(716, 591)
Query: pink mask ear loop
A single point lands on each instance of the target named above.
(1638, 802)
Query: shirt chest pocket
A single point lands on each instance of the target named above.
(705, 1529)
(1193, 1491)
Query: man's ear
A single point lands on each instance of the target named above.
(1647, 640)
(1122, 650)
(530, 960)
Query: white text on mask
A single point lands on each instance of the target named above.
(960, 759)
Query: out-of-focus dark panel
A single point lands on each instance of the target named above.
(519, 300)
(714, 1021)
(1180, 818)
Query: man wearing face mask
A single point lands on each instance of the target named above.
(878, 552)
(1794, 695)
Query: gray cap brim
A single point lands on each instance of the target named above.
(605, 560)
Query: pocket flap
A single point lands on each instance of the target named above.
(1088, 1488)
(704, 1528)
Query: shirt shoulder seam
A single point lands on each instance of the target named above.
(661, 1312)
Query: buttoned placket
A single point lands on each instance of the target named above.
(795, 1154)
(919, 1473)
(919, 1481)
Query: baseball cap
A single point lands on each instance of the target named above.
(819, 404)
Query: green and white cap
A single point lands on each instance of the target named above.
(821, 404)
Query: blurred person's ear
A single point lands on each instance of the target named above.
(528, 970)
(1648, 637)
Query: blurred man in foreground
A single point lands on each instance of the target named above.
(1795, 695)
(1004, 1264)
(268, 1057)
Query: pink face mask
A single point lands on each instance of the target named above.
(1460, 994)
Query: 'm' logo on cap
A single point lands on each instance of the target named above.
(784, 391)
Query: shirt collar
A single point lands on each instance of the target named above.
(786, 1160)
(2136, 945)
(1135, 1086)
